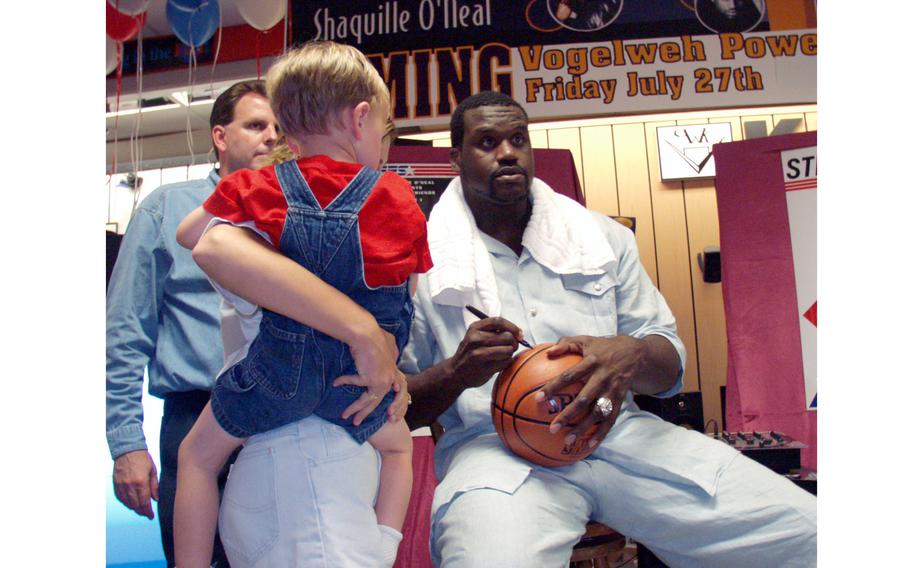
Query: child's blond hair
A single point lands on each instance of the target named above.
(281, 152)
(311, 84)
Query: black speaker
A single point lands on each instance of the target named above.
(683, 409)
(723, 407)
(709, 262)
(647, 559)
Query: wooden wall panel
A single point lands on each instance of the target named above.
(710, 324)
(710, 321)
(599, 169)
(539, 139)
(672, 249)
(736, 126)
(634, 189)
(568, 139)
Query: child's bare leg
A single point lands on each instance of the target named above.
(393, 441)
(201, 456)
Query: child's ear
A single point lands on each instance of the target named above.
(360, 115)
(293, 145)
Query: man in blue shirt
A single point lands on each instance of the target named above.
(163, 315)
(548, 270)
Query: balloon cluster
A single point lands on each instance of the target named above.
(262, 14)
(194, 22)
(124, 20)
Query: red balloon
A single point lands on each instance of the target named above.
(122, 27)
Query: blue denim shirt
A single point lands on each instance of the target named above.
(162, 313)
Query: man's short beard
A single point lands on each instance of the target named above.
(490, 196)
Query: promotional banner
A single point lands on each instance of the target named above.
(767, 219)
(558, 58)
(799, 169)
(569, 59)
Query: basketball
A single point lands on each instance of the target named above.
(523, 424)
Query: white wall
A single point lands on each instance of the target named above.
(122, 199)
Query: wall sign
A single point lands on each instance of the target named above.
(686, 151)
(612, 57)
(799, 168)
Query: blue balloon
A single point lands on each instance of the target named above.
(194, 21)
(188, 4)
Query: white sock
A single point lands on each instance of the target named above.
(389, 540)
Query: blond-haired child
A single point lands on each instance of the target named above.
(328, 347)
(282, 153)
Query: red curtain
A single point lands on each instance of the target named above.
(765, 384)
(414, 550)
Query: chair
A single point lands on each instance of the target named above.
(596, 546)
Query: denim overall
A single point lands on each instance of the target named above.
(288, 372)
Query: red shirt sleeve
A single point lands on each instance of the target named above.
(393, 229)
(422, 250)
(251, 196)
(393, 233)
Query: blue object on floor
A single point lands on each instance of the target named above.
(133, 541)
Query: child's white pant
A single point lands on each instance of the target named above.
(302, 495)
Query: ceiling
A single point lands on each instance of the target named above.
(172, 117)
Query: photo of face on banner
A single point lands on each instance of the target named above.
(584, 15)
(730, 15)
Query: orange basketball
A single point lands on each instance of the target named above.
(523, 423)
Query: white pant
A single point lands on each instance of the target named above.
(302, 495)
(756, 518)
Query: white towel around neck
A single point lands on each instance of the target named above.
(561, 235)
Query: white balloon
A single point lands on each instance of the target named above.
(111, 55)
(262, 14)
(129, 7)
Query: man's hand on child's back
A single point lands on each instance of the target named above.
(375, 358)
